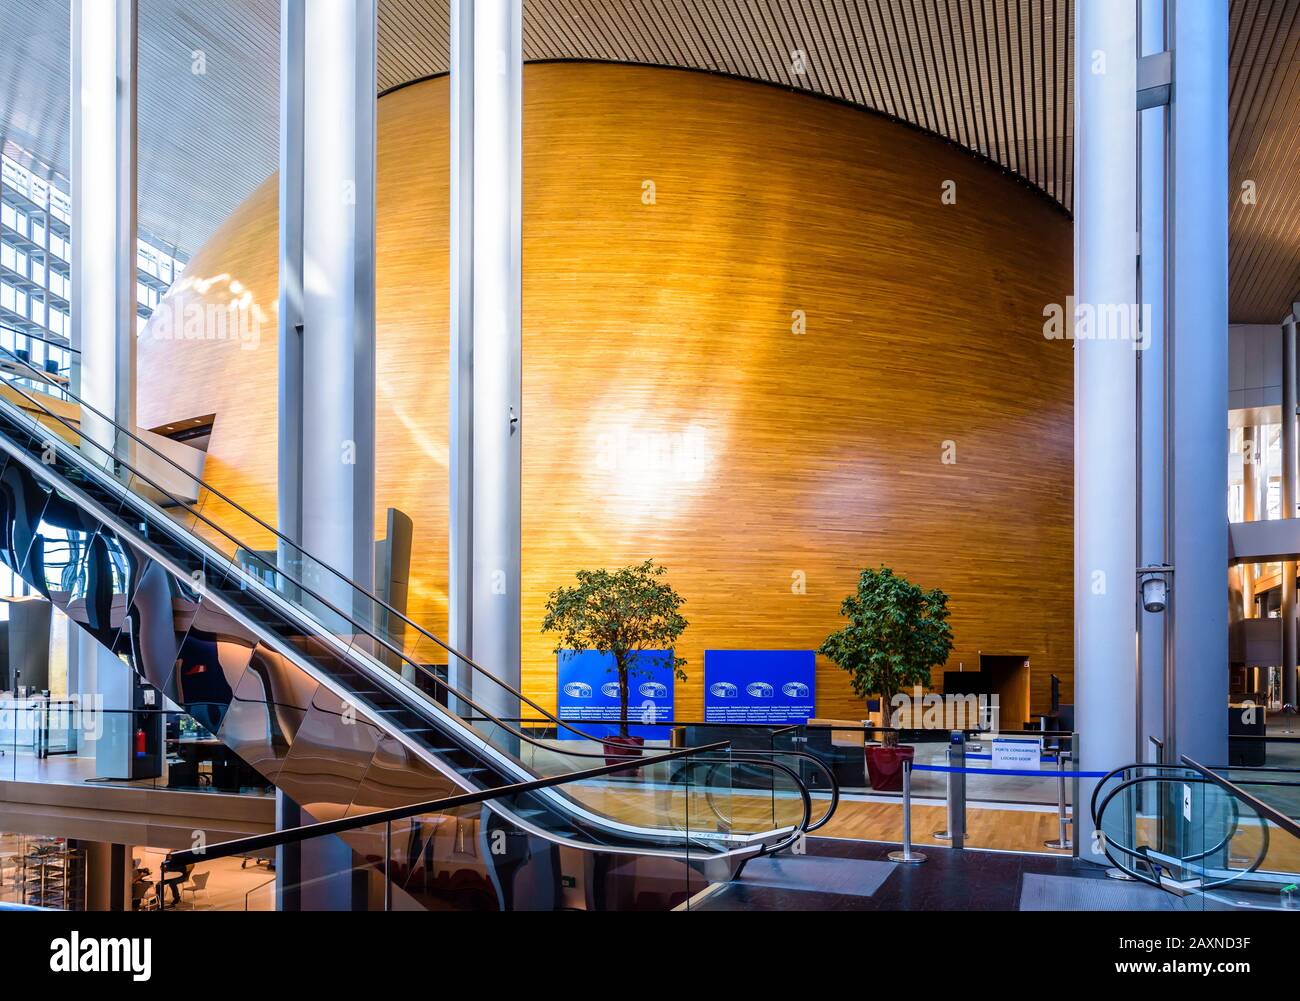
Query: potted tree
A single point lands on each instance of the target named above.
(896, 634)
(628, 614)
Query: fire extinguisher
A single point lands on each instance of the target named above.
(139, 742)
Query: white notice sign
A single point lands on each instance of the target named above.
(1020, 753)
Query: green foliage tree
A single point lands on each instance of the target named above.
(622, 613)
(897, 633)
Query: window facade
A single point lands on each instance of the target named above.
(36, 272)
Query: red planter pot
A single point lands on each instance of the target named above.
(885, 766)
(621, 748)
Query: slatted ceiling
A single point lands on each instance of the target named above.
(1264, 115)
(232, 122)
(34, 77)
(994, 76)
(414, 40)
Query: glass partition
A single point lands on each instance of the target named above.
(491, 855)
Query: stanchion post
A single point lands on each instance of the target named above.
(1063, 839)
(945, 834)
(907, 855)
(955, 788)
(1077, 760)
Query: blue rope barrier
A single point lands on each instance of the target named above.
(1007, 771)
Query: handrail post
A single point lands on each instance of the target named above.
(907, 855)
(1076, 788)
(1063, 840)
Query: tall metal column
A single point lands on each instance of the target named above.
(103, 297)
(327, 287)
(1198, 322)
(1105, 555)
(1152, 361)
(1289, 508)
(103, 300)
(486, 343)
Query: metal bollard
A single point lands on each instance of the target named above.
(1063, 840)
(907, 855)
(956, 788)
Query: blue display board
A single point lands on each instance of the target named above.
(759, 686)
(588, 690)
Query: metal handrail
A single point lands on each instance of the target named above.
(39, 337)
(776, 730)
(470, 662)
(1266, 812)
(260, 842)
(308, 591)
(1119, 772)
(1108, 843)
(755, 756)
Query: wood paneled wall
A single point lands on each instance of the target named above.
(753, 376)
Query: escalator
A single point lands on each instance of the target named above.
(329, 693)
(1205, 835)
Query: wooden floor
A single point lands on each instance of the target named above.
(1005, 829)
(1008, 830)
(1019, 830)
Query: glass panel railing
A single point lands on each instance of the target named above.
(1275, 787)
(1177, 828)
(488, 855)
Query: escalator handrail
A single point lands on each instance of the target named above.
(360, 627)
(1120, 771)
(177, 860)
(469, 661)
(755, 755)
(1266, 812)
(1108, 842)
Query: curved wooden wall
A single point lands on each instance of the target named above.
(671, 410)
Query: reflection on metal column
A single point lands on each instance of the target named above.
(1152, 401)
(327, 461)
(486, 349)
(1198, 326)
(1105, 551)
(103, 296)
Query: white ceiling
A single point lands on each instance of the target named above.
(993, 76)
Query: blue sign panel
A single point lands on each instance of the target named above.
(588, 690)
(759, 686)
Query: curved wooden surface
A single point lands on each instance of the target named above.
(670, 410)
